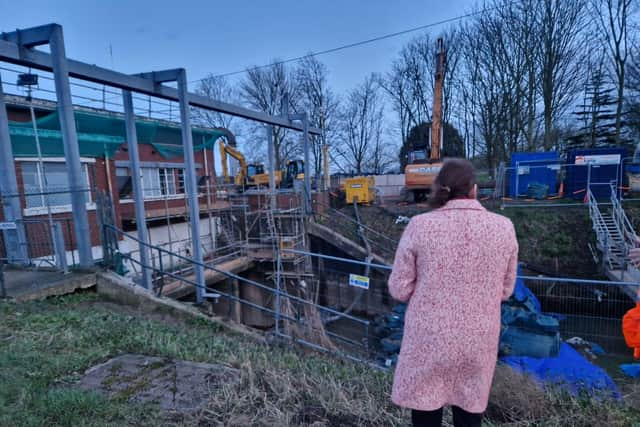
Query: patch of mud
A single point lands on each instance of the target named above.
(177, 386)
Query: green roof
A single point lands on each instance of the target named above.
(100, 135)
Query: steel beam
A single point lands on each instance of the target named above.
(15, 240)
(14, 53)
(30, 37)
(136, 180)
(77, 183)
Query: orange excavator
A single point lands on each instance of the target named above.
(424, 158)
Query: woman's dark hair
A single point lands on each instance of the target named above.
(454, 181)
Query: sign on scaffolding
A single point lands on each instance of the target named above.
(359, 281)
(7, 225)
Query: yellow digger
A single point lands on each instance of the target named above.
(249, 175)
(254, 175)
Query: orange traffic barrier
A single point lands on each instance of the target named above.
(631, 329)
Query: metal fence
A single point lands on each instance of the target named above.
(589, 309)
(334, 308)
(512, 187)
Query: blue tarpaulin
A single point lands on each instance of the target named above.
(631, 369)
(569, 369)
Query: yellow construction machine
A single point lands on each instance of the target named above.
(254, 175)
(424, 159)
(250, 174)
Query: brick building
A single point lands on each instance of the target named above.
(41, 171)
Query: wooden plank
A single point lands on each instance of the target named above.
(180, 289)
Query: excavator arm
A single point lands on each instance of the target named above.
(436, 121)
(226, 149)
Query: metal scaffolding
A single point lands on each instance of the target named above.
(19, 47)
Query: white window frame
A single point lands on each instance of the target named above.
(42, 210)
(157, 177)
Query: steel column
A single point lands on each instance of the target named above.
(77, 184)
(136, 179)
(272, 166)
(307, 163)
(190, 178)
(15, 240)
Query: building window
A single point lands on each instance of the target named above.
(122, 171)
(49, 184)
(167, 181)
(180, 181)
(160, 182)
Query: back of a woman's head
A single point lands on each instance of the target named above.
(454, 181)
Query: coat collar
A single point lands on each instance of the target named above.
(463, 204)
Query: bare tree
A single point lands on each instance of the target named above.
(362, 127)
(319, 101)
(273, 89)
(613, 18)
(409, 84)
(559, 59)
(219, 89)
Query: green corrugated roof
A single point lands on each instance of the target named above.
(103, 134)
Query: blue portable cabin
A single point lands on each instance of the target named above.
(533, 168)
(598, 167)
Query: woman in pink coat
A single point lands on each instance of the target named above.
(454, 266)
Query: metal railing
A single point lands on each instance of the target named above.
(298, 317)
(615, 234)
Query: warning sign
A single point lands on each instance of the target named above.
(359, 281)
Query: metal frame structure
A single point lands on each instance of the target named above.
(18, 47)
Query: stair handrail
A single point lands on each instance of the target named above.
(602, 233)
(622, 221)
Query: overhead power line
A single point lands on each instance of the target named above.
(355, 44)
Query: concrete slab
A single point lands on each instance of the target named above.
(27, 284)
(175, 385)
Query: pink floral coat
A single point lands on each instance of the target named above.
(454, 266)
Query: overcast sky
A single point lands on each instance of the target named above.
(222, 36)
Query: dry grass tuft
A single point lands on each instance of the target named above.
(268, 396)
(516, 400)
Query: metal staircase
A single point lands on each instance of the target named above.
(615, 237)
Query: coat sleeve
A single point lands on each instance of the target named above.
(512, 267)
(402, 280)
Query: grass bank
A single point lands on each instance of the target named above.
(46, 346)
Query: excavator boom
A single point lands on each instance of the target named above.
(436, 120)
(420, 174)
(231, 151)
